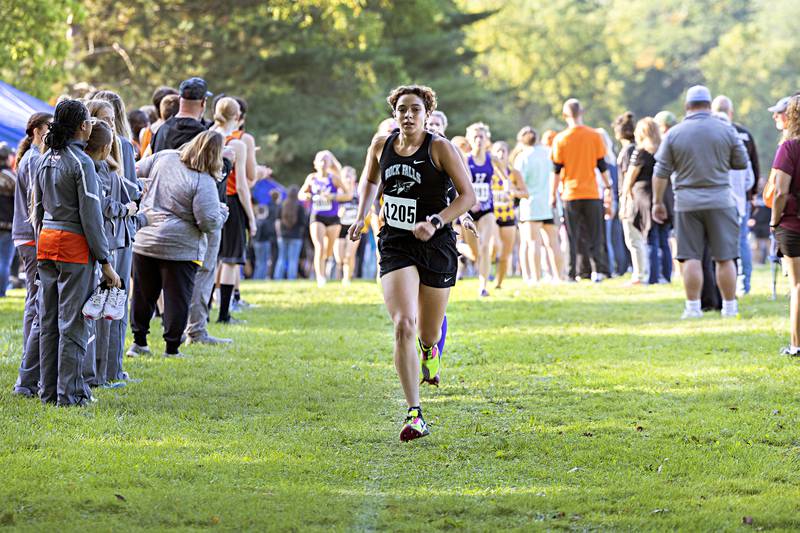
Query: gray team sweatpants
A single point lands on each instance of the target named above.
(203, 286)
(123, 259)
(64, 332)
(28, 378)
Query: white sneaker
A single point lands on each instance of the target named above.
(688, 314)
(725, 314)
(114, 308)
(93, 308)
(135, 350)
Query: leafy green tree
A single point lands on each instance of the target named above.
(34, 43)
(755, 64)
(314, 72)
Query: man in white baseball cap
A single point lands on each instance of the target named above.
(779, 113)
(698, 154)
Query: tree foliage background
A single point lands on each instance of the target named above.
(316, 72)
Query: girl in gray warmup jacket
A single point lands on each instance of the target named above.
(68, 221)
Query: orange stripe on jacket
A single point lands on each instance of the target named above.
(64, 246)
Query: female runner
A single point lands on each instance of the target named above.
(418, 253)
(504, 191)
(345, 250)
(241, 219)
(483, 166)
(325, 189)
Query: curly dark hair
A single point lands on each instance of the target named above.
(793, 118)
(625, 126)
(427, 95)
(68, 118)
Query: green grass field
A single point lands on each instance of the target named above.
(572, 407)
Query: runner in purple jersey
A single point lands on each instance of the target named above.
(325, 189)
(482, 166)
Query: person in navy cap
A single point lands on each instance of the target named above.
(188, 123)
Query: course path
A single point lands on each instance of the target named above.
(572, 406)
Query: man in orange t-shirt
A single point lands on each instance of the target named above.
(577, 153)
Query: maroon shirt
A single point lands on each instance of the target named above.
(788, 160)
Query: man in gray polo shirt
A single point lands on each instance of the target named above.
(697, 154)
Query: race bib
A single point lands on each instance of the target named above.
(348, 215)
(502, 197)
(481, 191)
(400, 213)
(321, 203)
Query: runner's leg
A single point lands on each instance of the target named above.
(318, 239)
(432, 306)
(487, 230)
(401, 290)
(794, 307)
(549, 236)
(507, 236)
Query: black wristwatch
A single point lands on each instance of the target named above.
(436, 221)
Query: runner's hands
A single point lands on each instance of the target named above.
(659, 213)
(469, 224)
(132, 208)
(424, 230)
(354, 233)
(110, 276)
(253, 227)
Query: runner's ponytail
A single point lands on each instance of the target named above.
(36, 121)
(69, 116)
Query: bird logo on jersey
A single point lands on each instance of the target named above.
(401, 187)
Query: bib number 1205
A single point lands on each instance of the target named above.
(400, 213)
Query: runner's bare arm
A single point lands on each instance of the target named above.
(368, 184)
(630, 178)
(447, 157)
(304, 193)
(518, 187)
(250, 142)
(344, 193)
(783, 182)
(499, 168)
(336, 166)
(659, 211)
(243, 185)
(556, 177)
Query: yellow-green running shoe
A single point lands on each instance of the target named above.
(429, 364)
(414, 426)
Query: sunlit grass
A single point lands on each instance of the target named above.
(572, 406)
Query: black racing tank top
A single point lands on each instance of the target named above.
(413, 188)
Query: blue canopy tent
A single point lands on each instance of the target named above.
(263, 188)
(15, 109)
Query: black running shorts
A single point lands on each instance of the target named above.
(507, 223)
(788, 242)
(233, 248)
(436, 260)
(326, 220)
(477, 215)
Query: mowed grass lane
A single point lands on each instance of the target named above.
(575, 406)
